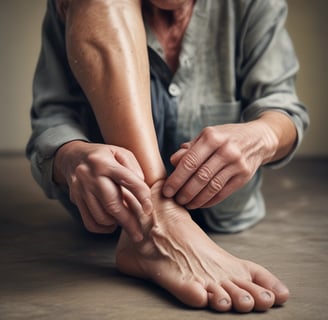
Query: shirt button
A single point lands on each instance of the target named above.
(174, 90)
(185, 61)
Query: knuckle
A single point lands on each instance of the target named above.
(98, 160)
(210, 136)
(216, 184)
(122, 153)
(190, 161)
(204, 174)
(244, 168)
(232, 152)
(208, 132)
(80, 171)
(236, 154)
(93, 158)
(113, 207)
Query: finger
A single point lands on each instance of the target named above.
(97, 211)
(89, 222)
(133, 204)
(231, 186)
(126, 178)
(176, 157)
(128, 160)
(200, 179)
(187, 166)
(213, 188)
(111, 199)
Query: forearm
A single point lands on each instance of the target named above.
(108, 54)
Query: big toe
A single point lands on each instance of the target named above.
(267, 280)
(192, 294)
(281, 293)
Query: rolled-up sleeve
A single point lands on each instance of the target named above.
(267, 67)
(58, 104)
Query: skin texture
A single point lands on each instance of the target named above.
(221, 159)
(121, 182)
(107, 184)
(169, 26)
(181, 258)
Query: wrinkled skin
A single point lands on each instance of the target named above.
(121, 183)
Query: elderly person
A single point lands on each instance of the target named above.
(147, 114)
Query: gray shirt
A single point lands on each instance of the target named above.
(236, 61)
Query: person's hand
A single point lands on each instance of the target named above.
(107, 185)
(220, 160)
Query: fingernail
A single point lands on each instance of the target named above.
(168, 191)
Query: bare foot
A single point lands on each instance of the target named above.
(181, 258)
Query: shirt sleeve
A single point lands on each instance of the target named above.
(58, 104)
(267, 67)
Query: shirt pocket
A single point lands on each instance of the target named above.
(220, 113)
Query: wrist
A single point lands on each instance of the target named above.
(261, 141)
(278, 133)
(63, 160)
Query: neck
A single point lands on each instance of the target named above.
(169, 27)
(177, 17)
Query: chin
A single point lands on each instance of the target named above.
(169, 4)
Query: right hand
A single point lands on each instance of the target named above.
(107, 185)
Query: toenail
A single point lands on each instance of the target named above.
(246, 298)
(224, 302)
(266, 295)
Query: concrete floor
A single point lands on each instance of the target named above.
(51, 269)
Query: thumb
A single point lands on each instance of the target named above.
(176, 157)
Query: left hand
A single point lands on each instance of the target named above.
(220, 160)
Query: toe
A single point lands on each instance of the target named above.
(218, 298)
(263, 298)
(242, 300)
(267, 280)
(281, 293)
(192, 294)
